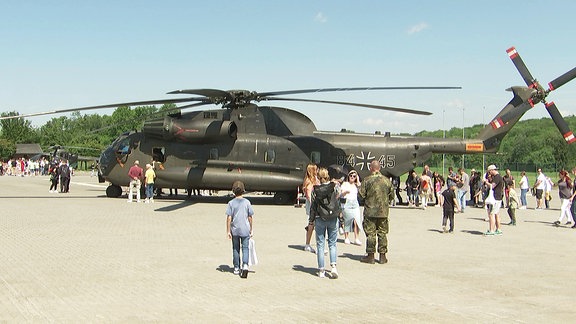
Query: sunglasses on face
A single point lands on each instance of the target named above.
(352, 176)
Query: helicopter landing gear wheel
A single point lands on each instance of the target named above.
(113, 191)
(284, 197)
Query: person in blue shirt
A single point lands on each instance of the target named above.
(239, 227)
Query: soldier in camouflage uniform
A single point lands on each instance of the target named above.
(376, 190)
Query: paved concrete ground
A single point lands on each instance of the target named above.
(84, 257)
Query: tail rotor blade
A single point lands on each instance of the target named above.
(520, 66)
(560, 122)
(563, 79)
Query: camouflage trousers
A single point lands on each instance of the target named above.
(376, 228)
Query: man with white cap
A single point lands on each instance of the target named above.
(497, 184)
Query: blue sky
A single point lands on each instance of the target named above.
(63, 54)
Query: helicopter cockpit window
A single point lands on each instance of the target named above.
(210, 115)
(315, 157)
(270, 156)
(214, 154)
(124, 147)
(158, 154)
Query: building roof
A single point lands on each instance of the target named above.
(27, 150)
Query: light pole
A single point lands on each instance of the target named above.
(483, 155)
(463, 135)
(444, 133)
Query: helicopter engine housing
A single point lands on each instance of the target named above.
(195, 131)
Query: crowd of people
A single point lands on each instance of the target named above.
(333, 203)
(25, 167)
(59, 171)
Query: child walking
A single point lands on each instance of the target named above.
(512, 203)
(448, 203)
(239, 227)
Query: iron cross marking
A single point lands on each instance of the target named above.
(364, 159)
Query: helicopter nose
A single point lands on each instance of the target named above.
(106, 161)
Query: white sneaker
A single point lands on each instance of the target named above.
(236, 271)
(358, 242)
(308, 248)
(347, 241)
(334, 272)
(321, 273)
(129, 201)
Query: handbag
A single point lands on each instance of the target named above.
(252, 257)
(490, 200)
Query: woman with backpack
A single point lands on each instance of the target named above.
(324, 213)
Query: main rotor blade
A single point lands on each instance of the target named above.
(288, 92)
(562, 80)
(134, 103)
(560, 122)
(520, 66)
(403, 110)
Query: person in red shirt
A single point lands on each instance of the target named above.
(135, 173)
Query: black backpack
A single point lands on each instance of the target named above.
(65, 171)
(325, 201)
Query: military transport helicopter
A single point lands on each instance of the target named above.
(268, 147)
(59, 152)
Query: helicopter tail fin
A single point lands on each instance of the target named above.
(492, 135)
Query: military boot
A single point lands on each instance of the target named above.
(369, 258)
(382, 259)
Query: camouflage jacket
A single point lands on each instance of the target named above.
(376, 190)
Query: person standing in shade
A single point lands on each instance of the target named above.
(149, 177)
(135, 174)
(376, 190)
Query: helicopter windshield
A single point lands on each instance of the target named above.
(122, 145)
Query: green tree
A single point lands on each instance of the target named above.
(17, 130)
(7, 149)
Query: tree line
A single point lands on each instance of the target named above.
(530, 142)
(86, 134)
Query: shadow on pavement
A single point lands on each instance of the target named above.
(472, 232)
(311, 271)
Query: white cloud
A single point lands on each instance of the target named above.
(417, 28)
(321, 18)
(373, 122)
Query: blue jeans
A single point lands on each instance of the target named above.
(462, 198)
(322, 227)
(523, 193)
(149, 190)
(236, 241)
